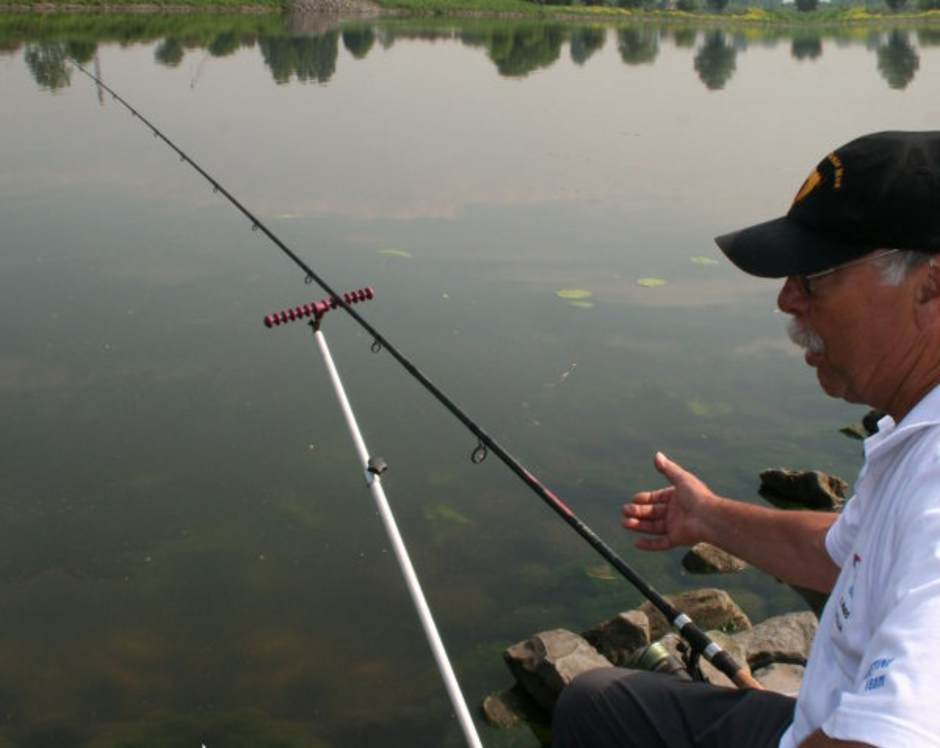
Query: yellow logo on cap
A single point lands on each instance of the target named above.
(812, 182)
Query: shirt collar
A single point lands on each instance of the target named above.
(925, 413)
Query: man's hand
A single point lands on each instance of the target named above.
(674, 516)
(790, 545)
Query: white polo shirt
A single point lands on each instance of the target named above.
(874, 670)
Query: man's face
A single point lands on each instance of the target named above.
(855, 329)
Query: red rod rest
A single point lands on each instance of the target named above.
(317, 309)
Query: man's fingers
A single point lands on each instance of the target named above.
(653, 497)
(649, 526)
(645, 511)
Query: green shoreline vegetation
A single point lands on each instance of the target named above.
(801, 12)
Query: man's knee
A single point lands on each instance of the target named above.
(587, 689)
(582, 704)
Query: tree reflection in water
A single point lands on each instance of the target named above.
(517, 52)
(806, 47)
(169, 52)
(897, 60)
(638, 46)
(684, 38)
(516, 48)
(358, 41)
(308, 58)
(715, 61)
(585, 42)
(47, 61)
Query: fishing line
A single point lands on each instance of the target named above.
(700, 642)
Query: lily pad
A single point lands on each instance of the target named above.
(708, 410)
(396, 253)
(603, 572)
(573, 293)
(582, 304)
(445, 513)
(650, 282)
(703, 260)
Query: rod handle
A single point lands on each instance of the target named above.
(743, 679)
(317, 309)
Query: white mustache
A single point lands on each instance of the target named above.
(804, 337)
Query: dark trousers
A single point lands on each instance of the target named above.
(617, 708)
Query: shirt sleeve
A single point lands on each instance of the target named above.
(841, 535)
(894, 694)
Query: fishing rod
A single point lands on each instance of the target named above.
(700, 642)
(373, 468)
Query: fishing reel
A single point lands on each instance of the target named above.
(656, 658)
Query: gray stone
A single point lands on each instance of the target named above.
(704, 558)
(678, 648)
(549, 661)
(812, 489)
(710, 608)
(782, 677)
(621, 638)
(785, 638)
(499, 711)
(510, 707)
(731, 645)
(814, 599)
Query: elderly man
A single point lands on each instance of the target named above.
(862, 291)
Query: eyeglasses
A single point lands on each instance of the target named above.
(808, 281)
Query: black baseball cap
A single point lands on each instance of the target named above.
(880, 191)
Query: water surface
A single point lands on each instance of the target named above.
(188, 552)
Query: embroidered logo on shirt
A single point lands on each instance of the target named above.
(872, 681)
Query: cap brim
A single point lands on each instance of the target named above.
(782, 247)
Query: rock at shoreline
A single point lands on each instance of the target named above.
(622, 637)
(733, 647)
(510, 707)
(704, 558)
(813, 489)
(782, 639)
(678, 647)
(549, 661)
(710, 608)
(814, 599)
(785, 678)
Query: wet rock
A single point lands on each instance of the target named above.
(704, 558)
(549, 661)
(781, 639)
(679, 648)
(814, 599)
(733, 647)
(498, 710)
(510, 707)
(782, 677)
(812, 489)
(710, 609)
(621, 638)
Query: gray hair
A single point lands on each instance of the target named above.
(895, 268)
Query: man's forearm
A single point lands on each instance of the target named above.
(788, 545)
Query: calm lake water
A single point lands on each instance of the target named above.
(188, 554)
